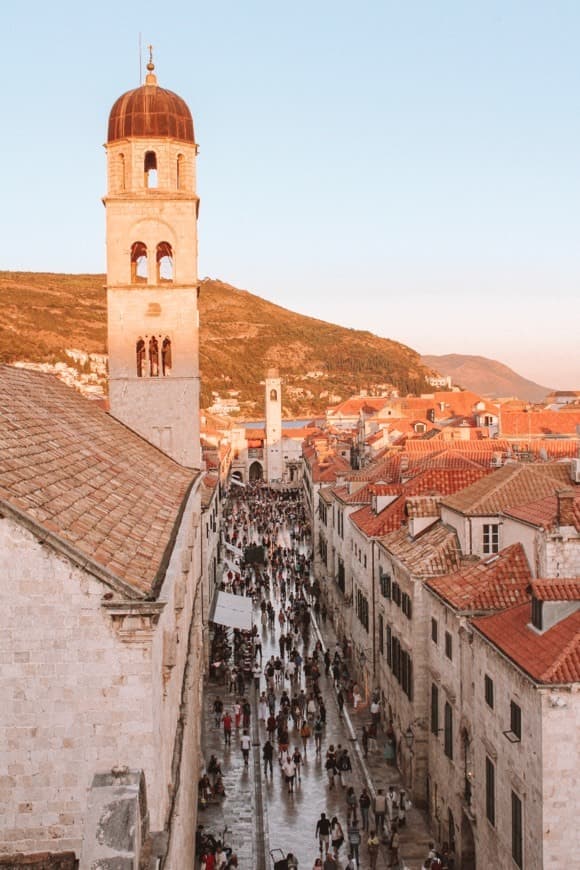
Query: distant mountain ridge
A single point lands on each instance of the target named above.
(241, 335)
(484, 376)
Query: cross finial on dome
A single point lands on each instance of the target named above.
(150, 78)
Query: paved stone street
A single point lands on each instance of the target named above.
(259, 813)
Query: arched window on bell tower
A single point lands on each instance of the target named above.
(150, 169)
(153, 357)
(139, 269)
(164, 262)
(273, 396)
(122, 172)
(166, 361)
(141, 358)
(180, 168)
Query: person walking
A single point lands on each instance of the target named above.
(380, 808)
(340, 701)
(351, 803)
(289, 770)
(373, 845)
(323, 832)
(354, 841)
(336, 836)
(330, 766)
(227, 723)
(245, 743)
(218, 709)
(365, 741)
(297, 759)
(318, 728)
(364, 803)
(305, 734)
(268, 755)
(344, 767)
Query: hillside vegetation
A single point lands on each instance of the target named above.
(241, 336)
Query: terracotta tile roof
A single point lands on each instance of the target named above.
(353, 406)
(326, 471)
(551, 657)
(542, 513)
(255, 434)
(75, 472)
(492, 584)
(512, 485)
(435, 551)
(423, 506)
(430, 482)
(557, 589)
(534, 422)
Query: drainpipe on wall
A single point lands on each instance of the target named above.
(374, 639)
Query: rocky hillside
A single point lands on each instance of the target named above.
(488, 377)
(241, 336)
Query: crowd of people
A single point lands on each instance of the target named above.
(287, 693)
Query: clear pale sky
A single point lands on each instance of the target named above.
(411, 168)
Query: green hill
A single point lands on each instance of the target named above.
(241, 336)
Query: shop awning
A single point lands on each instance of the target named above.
(234, 611)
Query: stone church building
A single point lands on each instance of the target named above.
(102, 594)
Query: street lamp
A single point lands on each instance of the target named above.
(409, 739)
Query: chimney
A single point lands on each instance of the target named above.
(566, 507)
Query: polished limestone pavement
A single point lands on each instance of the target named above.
(258, 811)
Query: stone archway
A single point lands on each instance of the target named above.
(467, 844)
(256, 471)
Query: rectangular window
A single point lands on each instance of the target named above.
(396, 666)
(490, 790)
(389, 647)
(385, 580)
(397, 594)
(448, 731)
(448, 645)
(434, 631)
(517, 831)
(489, 691)
(407, 675)
(490, 538)
(434, 709)
(516, 720)
(381, 637)
(406, 605)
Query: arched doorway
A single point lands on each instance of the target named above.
(467, 844)
(256, 472)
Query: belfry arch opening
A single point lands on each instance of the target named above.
(150, 169)
(139, 268)
(166, 360)
(122, 171)
(141, 358)
(153, 357)
(180, 169)
(273, 395)
(164, 263)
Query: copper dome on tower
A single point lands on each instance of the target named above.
(149, 112)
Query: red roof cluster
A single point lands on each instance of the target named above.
(550, 657)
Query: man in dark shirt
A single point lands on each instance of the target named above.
(323, 832)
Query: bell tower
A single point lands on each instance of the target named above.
(152, 283)
(273, 405)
